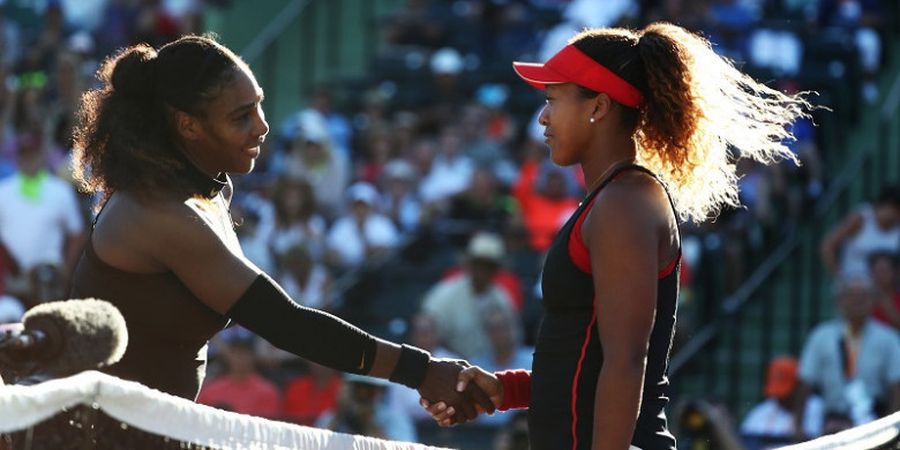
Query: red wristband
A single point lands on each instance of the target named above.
(516, 388)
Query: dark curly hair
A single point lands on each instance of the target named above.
(697, 108)
(125, 137)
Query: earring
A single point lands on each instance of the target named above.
(592, 120)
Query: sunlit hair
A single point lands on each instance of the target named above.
(125, 138)
(699, 114)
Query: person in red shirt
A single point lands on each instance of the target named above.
(308, 396)
(883, 267)
(241, 388)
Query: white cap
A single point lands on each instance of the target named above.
(363, 192)
(447, 61)
(484, 245)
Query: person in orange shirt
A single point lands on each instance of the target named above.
(545, 200)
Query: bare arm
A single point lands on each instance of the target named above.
(624, 242)
(832, 242)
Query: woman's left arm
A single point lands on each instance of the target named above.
(622, 232)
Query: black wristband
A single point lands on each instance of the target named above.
(411, 367)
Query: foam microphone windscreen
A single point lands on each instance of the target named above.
(80, 334)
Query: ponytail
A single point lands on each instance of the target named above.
(699, 109)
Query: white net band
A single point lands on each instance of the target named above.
(155, 412)
(876, 434)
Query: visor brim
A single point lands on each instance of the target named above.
(538, 75)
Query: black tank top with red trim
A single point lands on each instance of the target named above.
(568, 355)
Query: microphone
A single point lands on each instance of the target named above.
(58, 339)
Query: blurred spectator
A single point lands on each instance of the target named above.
(362, 233)
(400, 200)
(305, 280)
(450, 171)
(703, 424)
(311, 156)
(872, 227)
(730, 22)
(853, 361)
(423, 333)
(241, 388)
(482, 204)
(10, 40)
(514, 436)
(885, 270)
(504, 331)
(253, 218)
(40, 220)
(308, 396)
(770, 424)
(297, 220)
(544, 194)
(362, 409)
(417, 24)
(458, 304)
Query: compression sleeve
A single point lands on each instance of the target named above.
(516, 388)
(268, 311)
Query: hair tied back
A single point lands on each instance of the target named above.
(134, 75)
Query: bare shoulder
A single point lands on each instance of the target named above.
(633, 195)
(132, 231)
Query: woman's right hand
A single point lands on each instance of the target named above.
(487, 382)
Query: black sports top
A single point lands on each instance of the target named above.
(168, 327)
(568, 355)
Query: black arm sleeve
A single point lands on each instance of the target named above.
(268, 311)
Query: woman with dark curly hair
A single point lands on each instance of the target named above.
(156, 140)
(649, 115)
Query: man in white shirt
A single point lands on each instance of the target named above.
(40, 220)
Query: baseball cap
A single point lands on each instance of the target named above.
(363, 192)
(571, 65)
(486, 246)
(781, 377)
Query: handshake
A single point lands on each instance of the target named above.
(455, 392)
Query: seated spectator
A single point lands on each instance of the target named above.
(852, 361)
(458, 304)
(423, 333)
(304, 279)
(308, 396)
(362, 409)
(450, 171)
(297, 219)
(400, 201)
(705, 424)
(770, 424)
(312, 157)
(885, 270)
(872, 227)
(241, 389)
(507, 352)
(482, 203)
(361, 234)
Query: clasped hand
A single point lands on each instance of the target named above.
(455, 392)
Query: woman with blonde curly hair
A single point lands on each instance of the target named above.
(655, 119)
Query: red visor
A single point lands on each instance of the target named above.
(570, 65)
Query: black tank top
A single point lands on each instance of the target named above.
(568, 355)
(168, 327)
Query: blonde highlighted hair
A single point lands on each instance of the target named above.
(699, 114)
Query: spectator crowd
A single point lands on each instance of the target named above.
(442, 146)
